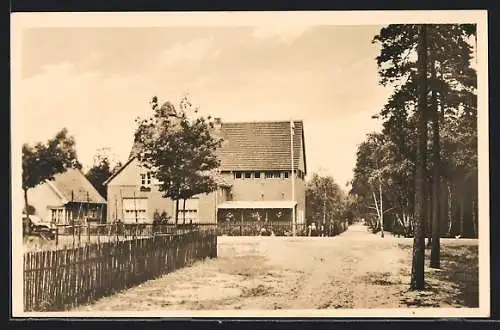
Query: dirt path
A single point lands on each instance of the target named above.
(353, 270)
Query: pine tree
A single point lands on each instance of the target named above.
(449, 84)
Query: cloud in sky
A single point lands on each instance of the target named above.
(192, 51)
(99, 85)
(284, 33)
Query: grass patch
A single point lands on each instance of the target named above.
(247, 266)
(258, 291)
(455, 284)
(378, 278)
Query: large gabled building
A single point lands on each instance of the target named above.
(257, 184)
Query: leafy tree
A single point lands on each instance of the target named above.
(30, 210)
(100, 172)
(179, 151)
(325, 200)
(43, 160)
(382, 176)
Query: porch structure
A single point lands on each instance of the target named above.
(255, 211)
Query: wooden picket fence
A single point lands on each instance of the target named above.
(62, 279)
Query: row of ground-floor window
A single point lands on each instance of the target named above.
(74, 211)
(135, 210)
(226, 216)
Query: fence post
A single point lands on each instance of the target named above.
(79, 235)
(57, 235)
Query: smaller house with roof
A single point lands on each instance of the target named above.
(262, 171)
(69, 196)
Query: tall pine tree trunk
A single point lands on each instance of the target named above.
(443, 208)
(461, 215)
(176, 211)
(474, 219)
(450, 210)
(184, 211)
(436, 173)
(428, 224)
(381, 211)
(418, 260)
(26, 223)
(436, 183)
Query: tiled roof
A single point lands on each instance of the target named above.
(257, 146)
(260, 145)
(74, 186)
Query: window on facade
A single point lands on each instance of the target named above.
(67, 215)
(57, 215)
(146, 179)
(237, 175)
(273, 175)
(93, 213)
(256, 175)
(135, 208)
(248, 175)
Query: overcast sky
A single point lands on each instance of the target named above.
(96, 81)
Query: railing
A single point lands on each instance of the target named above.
(62, 279)
(71, 236)
(276, 229)
(91, 233)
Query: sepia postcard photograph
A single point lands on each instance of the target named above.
(250, 164)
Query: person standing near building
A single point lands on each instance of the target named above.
(313, 229)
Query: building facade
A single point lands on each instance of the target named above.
(66, 198)
(262, 172)
(134, 197)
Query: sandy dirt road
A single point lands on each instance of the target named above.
(356, 269)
